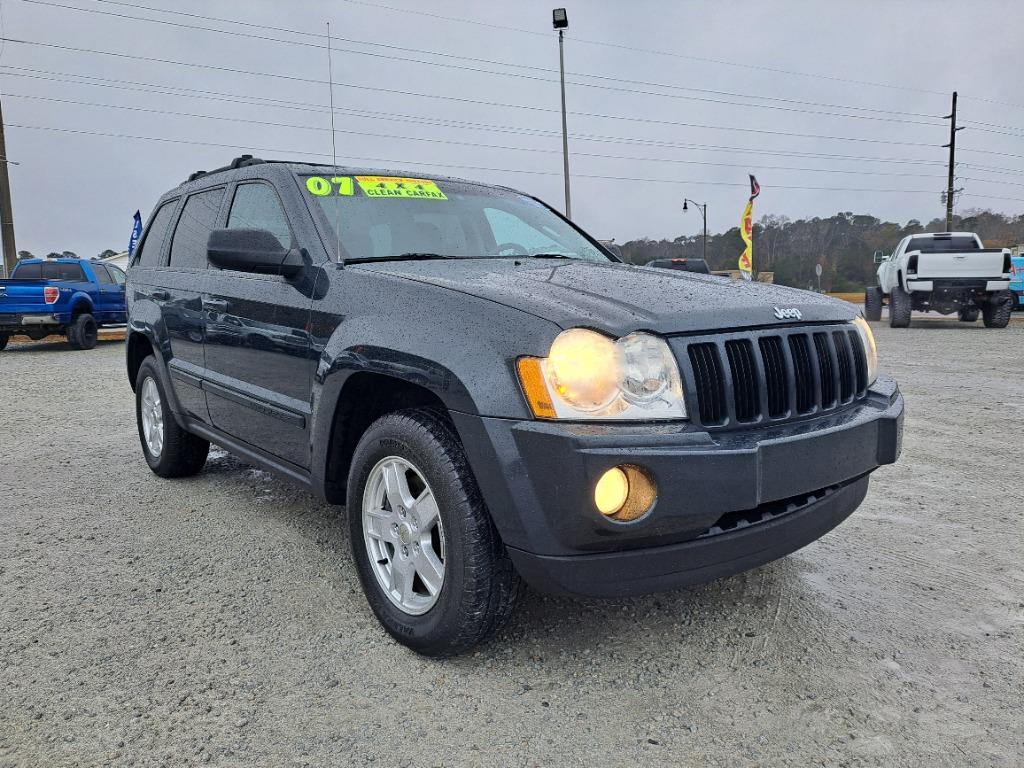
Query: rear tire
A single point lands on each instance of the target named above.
(873, 303)
(968, 314)
(4, 338)
(170, 451)
(478, 585)
(83, 332)
(900, 307)
(996, 313)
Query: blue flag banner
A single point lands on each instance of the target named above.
(136, 234)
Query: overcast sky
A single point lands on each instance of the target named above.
(78, 191)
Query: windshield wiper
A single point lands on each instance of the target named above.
(398, 257)
(549, 256)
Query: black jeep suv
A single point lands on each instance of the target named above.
(491, 393)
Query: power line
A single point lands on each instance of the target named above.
(978, 127)
(992, 152)
(538, 132)
(635, 49)
(996, 102)
(635, 159)
(478, 70)
(79, 131)
(519, 130)
(670, 54)
(992, 181)
(492, 62)
(464, 143)
(295, 78)
(639, 179)
(990, 169)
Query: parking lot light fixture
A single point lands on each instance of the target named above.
(704, 212)
(560, 21)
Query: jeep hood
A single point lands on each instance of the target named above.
(621, 298)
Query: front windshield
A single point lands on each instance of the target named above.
(386, 217)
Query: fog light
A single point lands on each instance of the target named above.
(611, 491)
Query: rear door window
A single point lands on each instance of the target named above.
(257, 206)
(102, 275)
(115, 272)
(148, 252)
(198, 218)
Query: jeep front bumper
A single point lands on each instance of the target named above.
(726, 501)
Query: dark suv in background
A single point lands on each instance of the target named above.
(490, 392)
(685, 265)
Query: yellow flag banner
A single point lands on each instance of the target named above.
(746, 263)
(746, 232)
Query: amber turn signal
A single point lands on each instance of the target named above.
(531, 376)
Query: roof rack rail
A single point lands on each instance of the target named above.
(243, 160)
(239, 162)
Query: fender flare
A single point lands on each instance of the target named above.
(79, 297)
(160, 354)
(335, 371)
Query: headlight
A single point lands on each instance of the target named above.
(589, 376)
(867, 339)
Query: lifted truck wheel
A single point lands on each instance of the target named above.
(873, 303)
(170, 451)
(968, 314)
(4, 338)
(996, 314)
(83, 332)
(430, 561)
(900, 307)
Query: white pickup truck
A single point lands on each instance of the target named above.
(943, 272)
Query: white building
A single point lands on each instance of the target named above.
(118, 260)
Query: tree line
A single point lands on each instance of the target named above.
(843, 244)
(66, 255)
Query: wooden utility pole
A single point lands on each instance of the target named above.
(6, 214)
(950, 192)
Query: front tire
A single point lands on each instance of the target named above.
(873, 303)
(4, 338)
(900, 307)
(429, 558)
(83, 332)
(996, 314)
(170, 451)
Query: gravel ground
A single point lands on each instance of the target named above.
(219, 620)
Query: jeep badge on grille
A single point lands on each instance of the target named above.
(788, 313)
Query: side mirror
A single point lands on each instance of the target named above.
(252, 250)
(879, 257)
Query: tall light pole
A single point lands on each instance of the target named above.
(704, 213)
(560, 21)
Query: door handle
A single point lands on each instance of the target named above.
(216, 305)
(161, 295)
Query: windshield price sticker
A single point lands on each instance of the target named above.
(392, 186)
(321, 187)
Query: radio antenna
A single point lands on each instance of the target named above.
(334, 145)
(330, 86)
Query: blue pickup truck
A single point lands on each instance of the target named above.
(69, 297)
